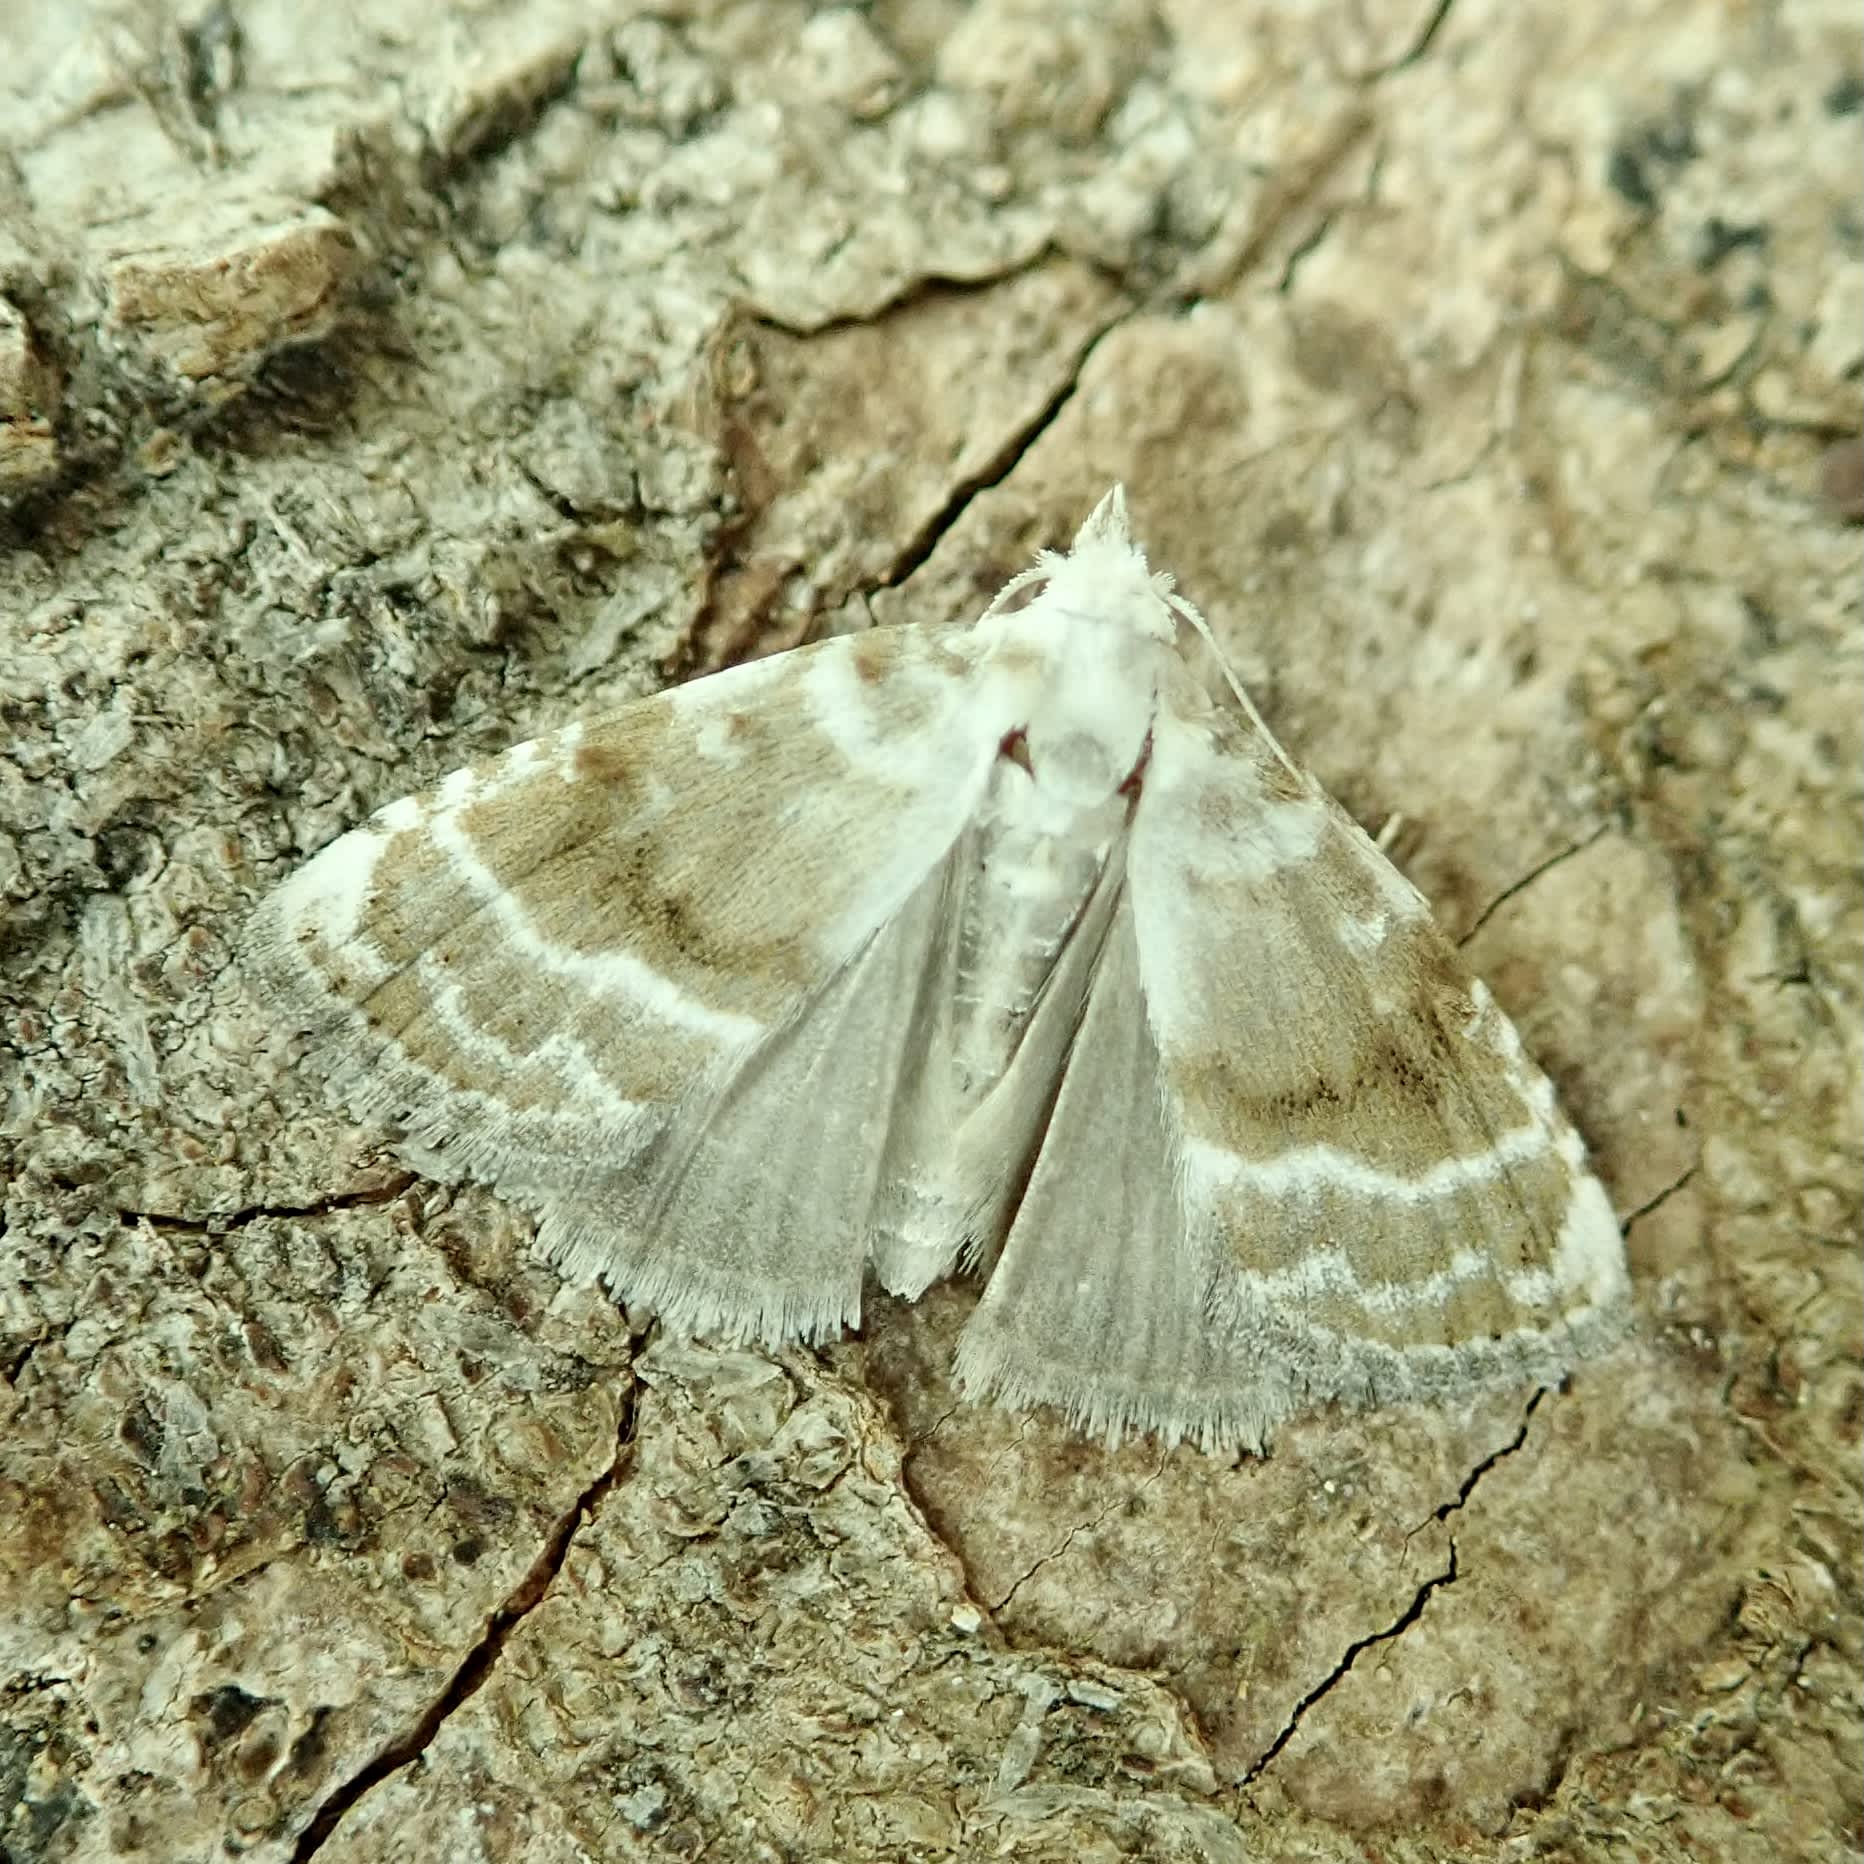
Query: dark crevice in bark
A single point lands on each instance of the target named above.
(1656, 1200)
(480, 1661)
(1467, 1487)
(1419, 48)
(254, 1213)
(1303, 249)
(998, 467)
(1067, 1541)
(1507, 893)
(1232, 254)
(1397, 1628)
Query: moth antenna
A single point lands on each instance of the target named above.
(1184, 609)
(1040, 571)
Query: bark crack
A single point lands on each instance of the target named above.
(480, 1661)
(1068, 1540)
(1469, 1484)
(1002, 462)
(1657, 1199)
(1419, 48)
(385, 1193)
(1351, 1655)
(1556, 859)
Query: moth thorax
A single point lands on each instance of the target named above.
(1078, 768)
(1081, 751)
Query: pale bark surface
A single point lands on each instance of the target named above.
(381, 385)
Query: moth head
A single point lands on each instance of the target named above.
(1102, 582)
(1082, 656)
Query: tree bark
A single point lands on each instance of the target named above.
(377, 391)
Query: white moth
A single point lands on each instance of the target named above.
(1004, 947)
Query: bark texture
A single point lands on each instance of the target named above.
(379, 386)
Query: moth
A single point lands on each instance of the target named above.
(1018, 947)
